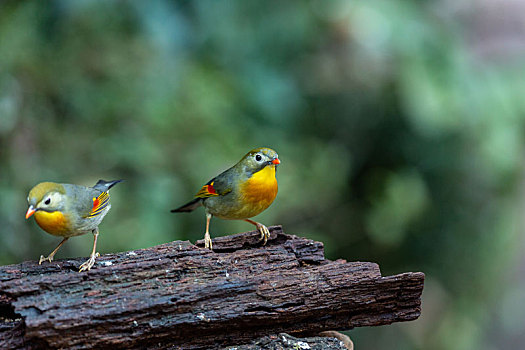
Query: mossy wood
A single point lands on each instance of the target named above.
(181, 295)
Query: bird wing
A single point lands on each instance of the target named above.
(99, 204)
(215, 187)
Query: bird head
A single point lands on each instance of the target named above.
(259, 158)
(46, 196)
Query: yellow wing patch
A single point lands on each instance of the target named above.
(99, 204)
(207, 191)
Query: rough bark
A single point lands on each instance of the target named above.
(180, 295)
(285, 341)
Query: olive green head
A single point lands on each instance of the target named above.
(259, 158)
(48, 196)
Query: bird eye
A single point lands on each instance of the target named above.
(258, 157)
(47, 201)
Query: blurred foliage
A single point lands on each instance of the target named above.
(400, 130)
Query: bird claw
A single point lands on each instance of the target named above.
(207, 241)
(42, 259)
(265, 233)
(89, 263)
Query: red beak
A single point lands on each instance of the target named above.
(30, 211)
(276, 161)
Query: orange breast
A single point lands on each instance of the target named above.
(54, 223)
(261, 189)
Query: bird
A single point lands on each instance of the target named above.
(239, 193)
(67, 210)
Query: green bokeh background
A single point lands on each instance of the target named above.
(400, 126)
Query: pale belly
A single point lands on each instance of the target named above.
(226, 209)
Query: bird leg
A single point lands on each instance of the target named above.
(91, 261)
(207, 238)
(265, 233)
(52, 255)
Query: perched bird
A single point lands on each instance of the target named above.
(239, 193)
(70, 210)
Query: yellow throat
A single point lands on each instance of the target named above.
(261, 188)
(54, 222)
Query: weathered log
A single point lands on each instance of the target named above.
(179, 295)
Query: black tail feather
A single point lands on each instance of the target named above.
(104, 186)
(191, 206)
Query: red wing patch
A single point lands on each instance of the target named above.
(207, 191)
(99, 204)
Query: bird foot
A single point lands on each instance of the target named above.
(89, 263)
(265, 233)
(207, 241)
(42, 259)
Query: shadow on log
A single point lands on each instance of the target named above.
(180, 295)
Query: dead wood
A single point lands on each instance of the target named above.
(179, 295)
